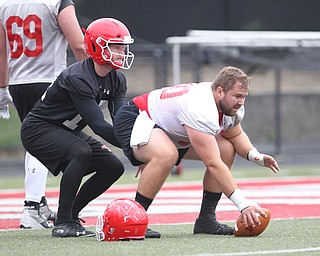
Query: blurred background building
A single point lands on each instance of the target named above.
(282, 111)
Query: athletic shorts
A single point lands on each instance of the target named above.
(123, 124)
(50, 144)
(26, 96)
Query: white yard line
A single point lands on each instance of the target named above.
(311, 249)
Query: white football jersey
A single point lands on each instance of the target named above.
(35, 44)
(187, 104)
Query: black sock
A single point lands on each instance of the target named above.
(30, 203)
(209, 204)
(43, 200)
(144, 201)
(64, 211)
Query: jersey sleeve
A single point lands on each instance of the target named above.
(239, 116)
(199, 122)
(64, 4)
(77, 85)
(92, 115)
(198, 110)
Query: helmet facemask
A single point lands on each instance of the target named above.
(99, 228)
(107, 54)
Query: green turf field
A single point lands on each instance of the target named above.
(252, 171)
(282, 237)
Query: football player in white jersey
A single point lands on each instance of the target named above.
(34, 35)
(193, 121)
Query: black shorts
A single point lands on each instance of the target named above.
(26, 96)
(51, 145)
(123, 124)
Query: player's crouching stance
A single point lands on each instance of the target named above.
(52, 131)
(192, 121)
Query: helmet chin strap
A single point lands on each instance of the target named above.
(113, 66)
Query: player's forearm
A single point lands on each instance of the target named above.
(106, 132)
(3, 72)
(228, 186)
(223, 177)
(242, 144)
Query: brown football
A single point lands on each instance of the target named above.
(241, 230)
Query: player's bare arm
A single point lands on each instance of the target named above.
(207, 148)
(69, 25)
(243, 146)
(5, 97)
(3, 58)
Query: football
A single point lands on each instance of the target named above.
(241, 230)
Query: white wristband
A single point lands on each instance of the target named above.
(240, 200)
(255, 156)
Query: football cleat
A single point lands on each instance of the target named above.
(212, 227)
(152, 234)
(46, 211)
(71, 229)
(32, 218)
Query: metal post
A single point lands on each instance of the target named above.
(278, 135)
(176, 63)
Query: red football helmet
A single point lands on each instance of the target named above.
(98, 37)
(123, 219)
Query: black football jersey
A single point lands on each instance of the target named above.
(72, 100)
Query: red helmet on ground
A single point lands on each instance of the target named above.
(98, 37)
(123, 219)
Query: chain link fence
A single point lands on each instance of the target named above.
(282, 110)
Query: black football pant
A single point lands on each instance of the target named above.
(105, 169)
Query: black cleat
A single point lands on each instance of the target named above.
(71, 229)
(151, 234)
(212, 227)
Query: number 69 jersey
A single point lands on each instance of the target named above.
(34, 50)
(187, 104)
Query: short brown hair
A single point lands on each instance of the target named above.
(228, 76)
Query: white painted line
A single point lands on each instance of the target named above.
(263, 252)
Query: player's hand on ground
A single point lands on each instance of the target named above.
(271, 163)
(250, 216)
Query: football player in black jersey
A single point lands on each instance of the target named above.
(52, 131)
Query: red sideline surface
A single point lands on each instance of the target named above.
(278, 210)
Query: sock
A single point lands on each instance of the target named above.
(209, 204)
(64, 211)
(43, 201)
(35, 178)
(144, 201)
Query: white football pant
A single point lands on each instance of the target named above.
(35, 179)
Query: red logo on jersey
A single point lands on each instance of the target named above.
(174, 91)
